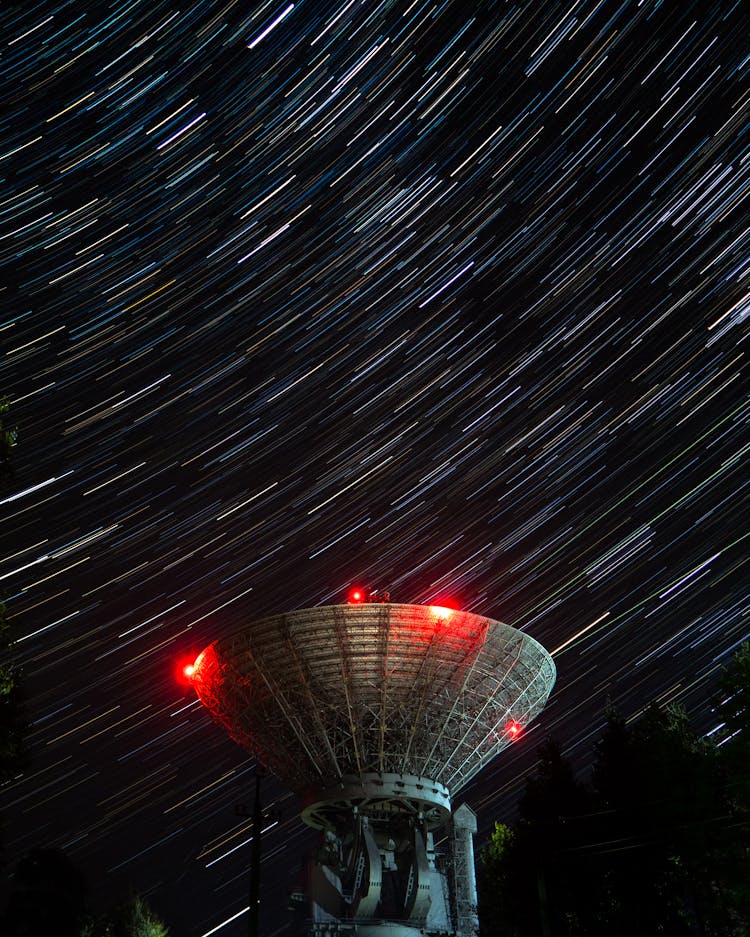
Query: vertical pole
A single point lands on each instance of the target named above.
(255, 858)
(541, 883)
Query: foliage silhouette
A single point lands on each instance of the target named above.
(48, 897)
(656, 843)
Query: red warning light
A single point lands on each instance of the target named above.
(186, 670)
(444, 608)
(513, 729)
(356, 595)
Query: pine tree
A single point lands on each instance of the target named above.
(497, 885)
(659, 843)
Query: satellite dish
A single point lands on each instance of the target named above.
(377, 714)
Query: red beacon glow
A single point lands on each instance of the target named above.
(513, 729)
(444, 609)
(356, 596)
(186, 670)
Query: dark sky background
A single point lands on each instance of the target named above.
(445, 297)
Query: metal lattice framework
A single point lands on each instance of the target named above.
(346, 691)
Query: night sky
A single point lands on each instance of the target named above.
(447, 298)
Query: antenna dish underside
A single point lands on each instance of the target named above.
(330, 694)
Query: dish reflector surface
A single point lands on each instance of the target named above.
(344, 691)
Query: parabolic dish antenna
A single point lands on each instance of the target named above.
(377, 713)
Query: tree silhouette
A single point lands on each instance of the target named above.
(48, 897)
(536, 878)
(660, 785)
(733, 708)
(657, 843)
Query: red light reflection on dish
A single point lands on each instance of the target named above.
(444, 608)
(513, 729)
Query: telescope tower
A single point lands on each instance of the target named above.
(378, 714)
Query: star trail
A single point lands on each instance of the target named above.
(448, 298)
